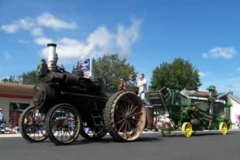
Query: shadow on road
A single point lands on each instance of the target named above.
(199, 134)
(208, 134)
(145, 138)
(111, 140)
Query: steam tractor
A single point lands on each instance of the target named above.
(66, 105)
(190, 110)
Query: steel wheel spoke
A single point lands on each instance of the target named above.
(121, 121)
(123, 124)
(134, 109)
(135, 114)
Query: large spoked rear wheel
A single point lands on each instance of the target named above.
(63, 124)
(125, 116)
(92, 135)
(32, 125)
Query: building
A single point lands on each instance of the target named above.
(235, 109)
(14, 98)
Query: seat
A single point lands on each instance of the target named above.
(160, 99)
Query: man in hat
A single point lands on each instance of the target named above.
(2, 121)
(131, 84)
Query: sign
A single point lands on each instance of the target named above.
(238, 118)
(86, 67)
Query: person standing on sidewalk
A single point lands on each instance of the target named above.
(2, 121)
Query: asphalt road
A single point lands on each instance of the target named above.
(203, 146)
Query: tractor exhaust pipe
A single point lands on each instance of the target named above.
(52, 56)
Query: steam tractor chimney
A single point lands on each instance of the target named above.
(52, 56)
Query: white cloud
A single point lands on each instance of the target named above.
(203, 74)
(238, 69)
(24, 24)
(35, 25)
(220, 52)
(23, 41)
(7, 56)
(10, 28)
(67, 49)
(43, 41)
(205, 55)
(101, 41)
(49, 20)
(37, 32)
(127, 36)
(223, 84)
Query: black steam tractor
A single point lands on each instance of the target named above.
(65, 105)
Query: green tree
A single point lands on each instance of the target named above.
(110, 68)
(180, 73)
(29, 78)
(11, 79)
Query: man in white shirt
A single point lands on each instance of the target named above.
(142, 85)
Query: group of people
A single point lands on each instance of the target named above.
(139, 87)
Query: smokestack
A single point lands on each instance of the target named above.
(51, 55)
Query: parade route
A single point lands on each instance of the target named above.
(147, 132)
(207, 145)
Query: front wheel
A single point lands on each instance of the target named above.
(63, 123)
(187, 129)
(223, 128)
(32, 125)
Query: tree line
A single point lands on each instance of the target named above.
(179, 73)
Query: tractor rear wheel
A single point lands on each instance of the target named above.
(63, 123)
(125, 116)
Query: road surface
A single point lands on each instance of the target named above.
(203, 146)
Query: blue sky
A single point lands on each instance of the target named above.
(147, 33)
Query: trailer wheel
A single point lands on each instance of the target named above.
(63, 123)
(166, 129)
(94, 135)
(223, 128)
(125, 116)
(32, 127)
(187, 129)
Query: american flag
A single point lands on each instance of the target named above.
(86, 67)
